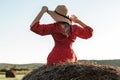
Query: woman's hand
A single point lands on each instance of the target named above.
(74, 19)
(44, 9)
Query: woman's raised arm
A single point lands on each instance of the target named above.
(38, 17)
(76, 20)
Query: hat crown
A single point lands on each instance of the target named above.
(62, 10)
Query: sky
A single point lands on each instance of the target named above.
(20, 46)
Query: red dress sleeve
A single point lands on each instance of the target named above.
(84, 33)
(42, 29)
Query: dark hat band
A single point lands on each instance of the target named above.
(62, 15)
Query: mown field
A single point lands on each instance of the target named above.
(19, 69)
(18, 77)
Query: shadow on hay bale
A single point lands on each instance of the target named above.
(10, 74)
(76, 71)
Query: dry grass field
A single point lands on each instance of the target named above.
(18, 77)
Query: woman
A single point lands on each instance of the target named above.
(63, 33)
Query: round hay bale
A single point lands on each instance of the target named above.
(10, 73)
(76, 71)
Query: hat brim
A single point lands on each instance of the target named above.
(58, 18)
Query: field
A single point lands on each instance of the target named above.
(18, 77)
(20, 70)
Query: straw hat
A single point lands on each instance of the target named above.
(60, 14)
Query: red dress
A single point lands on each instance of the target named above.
(62, 51)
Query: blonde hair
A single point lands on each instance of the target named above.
(67, 30)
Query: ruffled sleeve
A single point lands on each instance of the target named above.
(42, 29)
(84, 33)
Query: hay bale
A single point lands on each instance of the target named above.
(10, 74)
(76, 71)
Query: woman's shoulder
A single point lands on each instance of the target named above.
(74, 26)
(51, 24)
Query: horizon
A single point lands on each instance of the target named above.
(78, 60)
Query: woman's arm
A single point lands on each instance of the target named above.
(83, 31)
(38, 17)
(76, 20)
